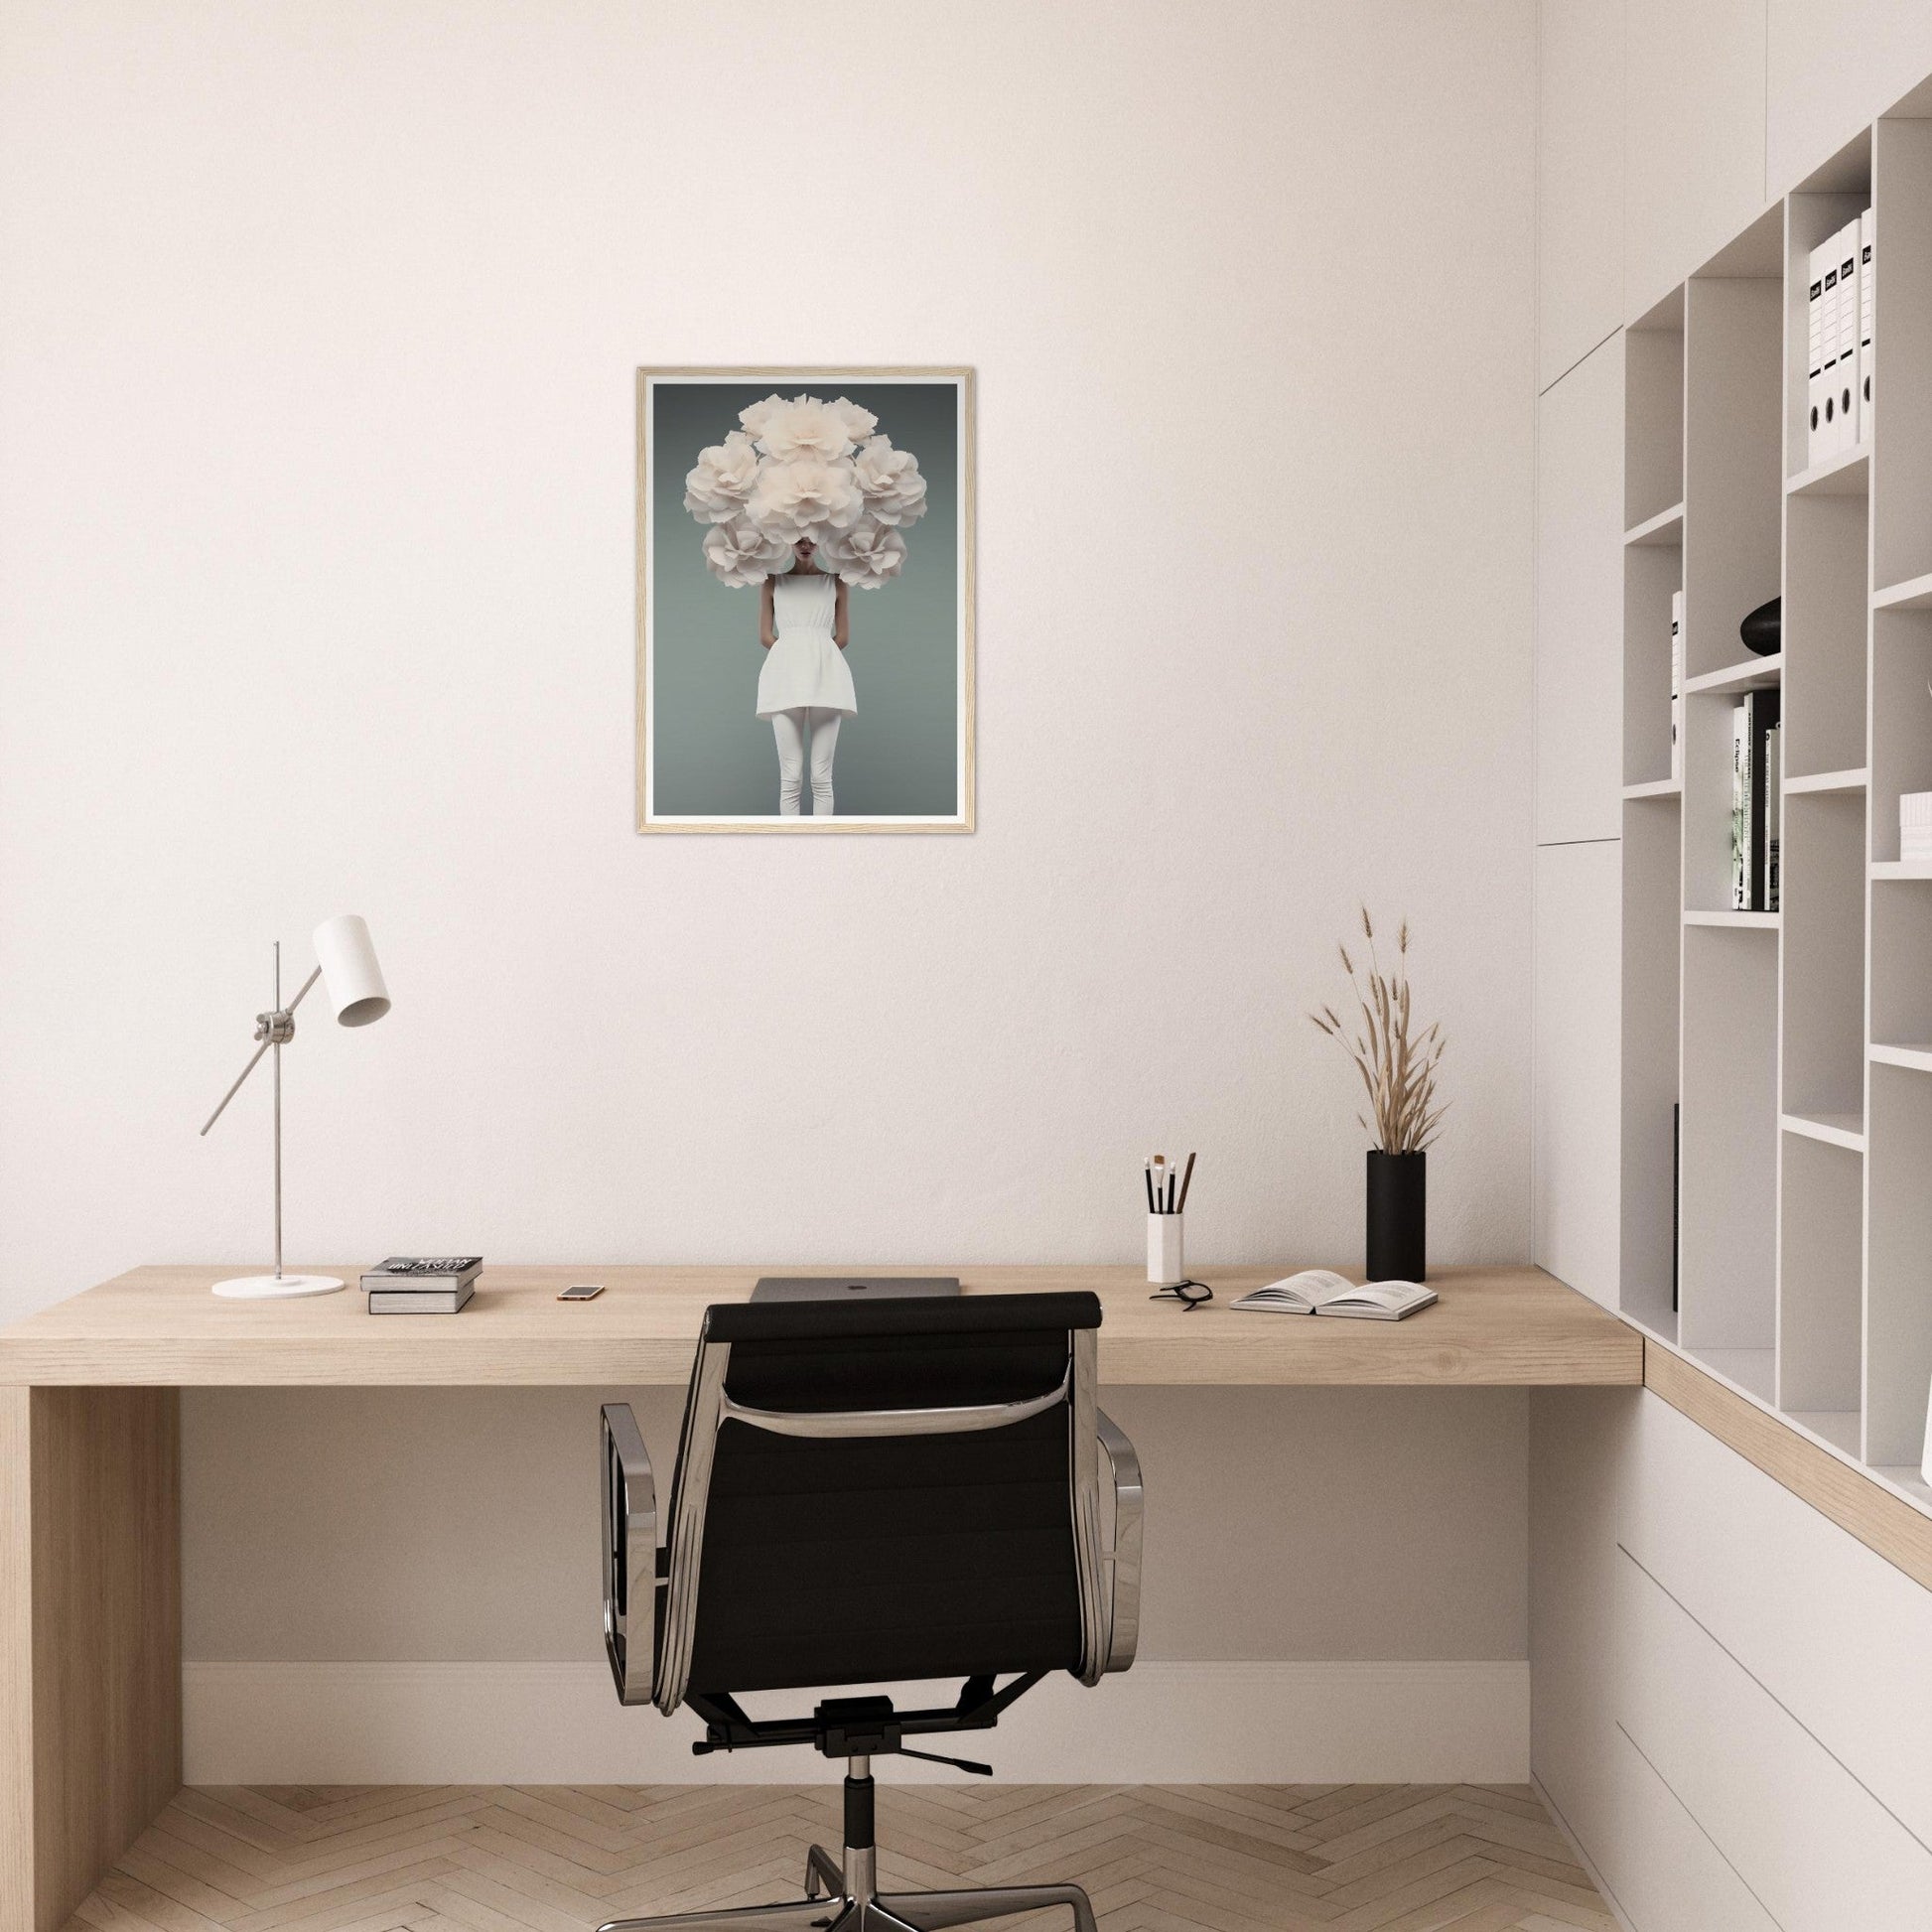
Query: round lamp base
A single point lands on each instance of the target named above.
(273, 1288)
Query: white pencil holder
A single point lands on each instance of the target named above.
(1165, 1263)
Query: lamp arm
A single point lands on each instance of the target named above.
(314, 975)
(254, 1061)
(270, 1034)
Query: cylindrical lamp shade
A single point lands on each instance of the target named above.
(349, 975)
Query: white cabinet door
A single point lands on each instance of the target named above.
(1834, 68)
(1574, 1111)
(1693, 137)
(1579, 751)
(1579, 180)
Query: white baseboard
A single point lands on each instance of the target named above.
(560, 1724)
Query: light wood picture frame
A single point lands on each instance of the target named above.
(858, 498)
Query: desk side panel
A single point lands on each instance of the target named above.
(16, 1664)
(103, 1547)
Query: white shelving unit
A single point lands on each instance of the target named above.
(1797, 1044)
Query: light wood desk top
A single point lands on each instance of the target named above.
(160, 1327)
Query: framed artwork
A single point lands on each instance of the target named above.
(805, 600)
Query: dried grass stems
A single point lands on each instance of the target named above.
(1398, 1066)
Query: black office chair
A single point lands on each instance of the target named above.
(867, 1494)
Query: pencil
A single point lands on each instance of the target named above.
(1186, 1181)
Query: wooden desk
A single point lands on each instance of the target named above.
(89, 1459)
(1493, 1326)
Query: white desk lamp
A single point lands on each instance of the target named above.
(345, 965)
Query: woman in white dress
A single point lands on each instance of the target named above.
(803, 624)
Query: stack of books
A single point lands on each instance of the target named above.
(421, 1283)
(1756, 777)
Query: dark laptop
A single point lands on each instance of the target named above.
(846, 1288)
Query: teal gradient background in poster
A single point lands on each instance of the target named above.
(711, 755)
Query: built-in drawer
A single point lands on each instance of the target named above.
(1665, 1872)
(1815, 1846)
(1835, 1633)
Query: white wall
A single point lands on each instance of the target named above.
(317, 512)
(316, 493)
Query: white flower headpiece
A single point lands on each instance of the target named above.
(805, 471)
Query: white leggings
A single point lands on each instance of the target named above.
(788, 727)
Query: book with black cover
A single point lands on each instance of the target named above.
(1761, 717)
(416, 1273)
(420, 1301)
(1676, 1193)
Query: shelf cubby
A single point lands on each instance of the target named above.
(1901, 963)
(1826, 614)
(1728, 1220)
(1653, 418)
(1652, 853)
(1821, 1219)
(1734, 476)
(1837, 194)
(1902, 718)
(1821, 917)
(1902, 401)
(1898, 1291)
(1652, 573)
(1707, 730)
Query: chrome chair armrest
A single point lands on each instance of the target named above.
(835, 1424)
(629, 1555)
(1124, 1559)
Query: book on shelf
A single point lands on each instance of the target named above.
(1867, 301)
(1846, 388)
(1740, 810)
(1815, 355)
(1774, 811)
(1677, 686)
(1752, 816)
(1320, 1291)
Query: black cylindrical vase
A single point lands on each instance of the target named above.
(1398, 1216)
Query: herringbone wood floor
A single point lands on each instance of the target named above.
(558, 1859)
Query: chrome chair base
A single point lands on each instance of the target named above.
(840, 1901)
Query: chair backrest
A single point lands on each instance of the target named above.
(885, 1492)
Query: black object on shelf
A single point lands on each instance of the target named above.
(1764, 631)
(1676, 1193)
(1398, 1216)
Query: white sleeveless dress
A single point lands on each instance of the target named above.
(804, 667)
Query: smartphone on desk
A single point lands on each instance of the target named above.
(582, 1292)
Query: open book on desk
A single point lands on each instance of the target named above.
(1320, 1291)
